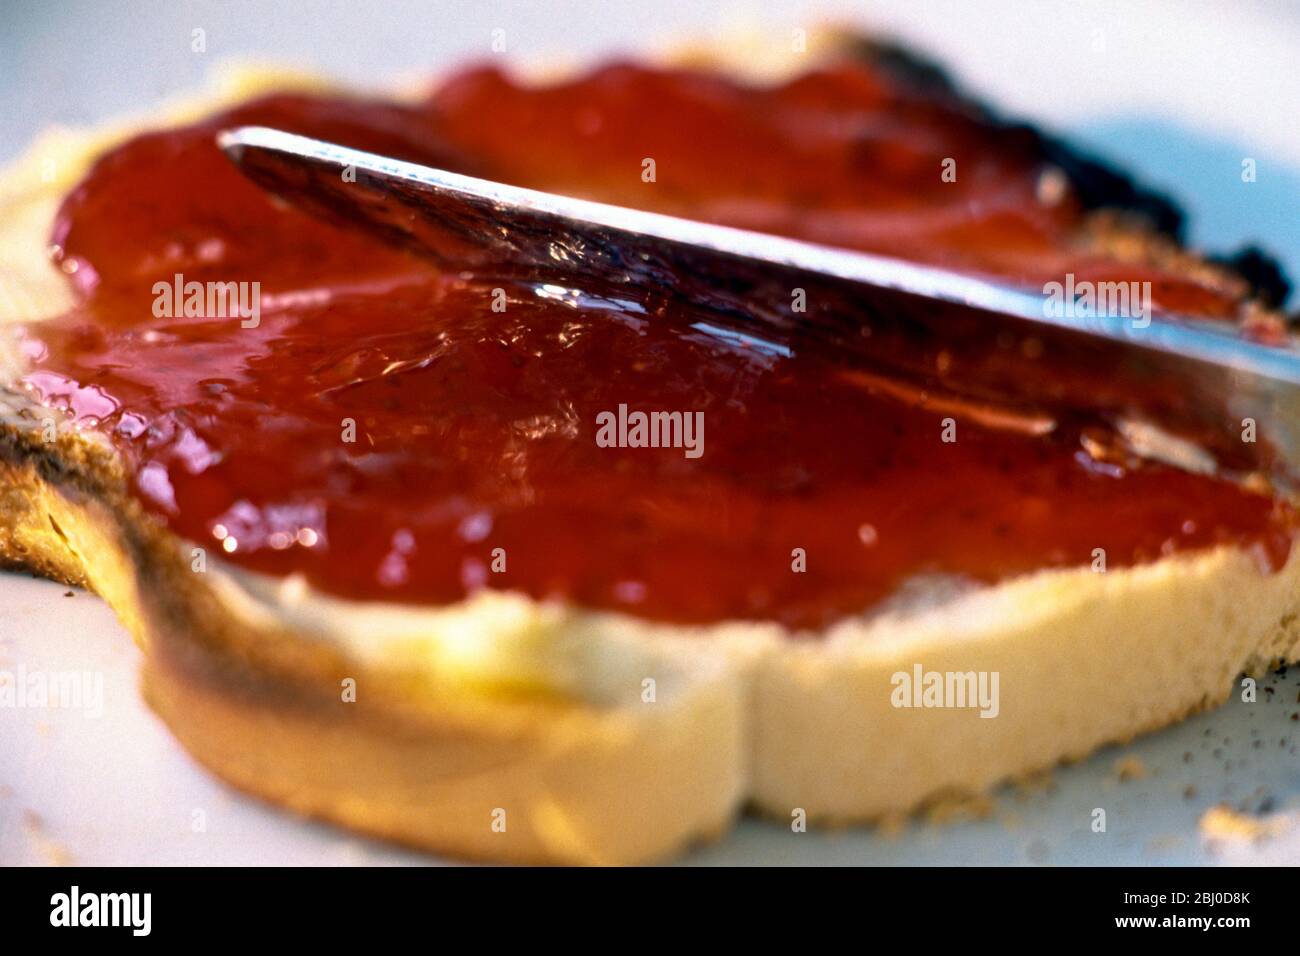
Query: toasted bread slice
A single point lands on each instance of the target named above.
(503, 728)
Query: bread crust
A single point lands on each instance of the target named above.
(544, 712)
(479, 770)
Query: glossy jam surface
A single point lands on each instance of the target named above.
(391, 433)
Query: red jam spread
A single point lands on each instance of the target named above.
(474, 461)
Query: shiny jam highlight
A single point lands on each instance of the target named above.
(394, 433)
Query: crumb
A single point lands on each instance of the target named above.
(69, 594)
(1031, 783)
(1130, 768)
(1221, 822)
(35, 827)
(1189, 793)
(955, 808)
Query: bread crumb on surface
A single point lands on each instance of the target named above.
(1222, 822)
(952, 808)
(1130, 768)
(54, 853)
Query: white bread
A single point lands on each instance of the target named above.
(502, 703)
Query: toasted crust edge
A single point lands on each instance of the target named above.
(574, 778)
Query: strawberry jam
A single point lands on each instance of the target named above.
(392, 432)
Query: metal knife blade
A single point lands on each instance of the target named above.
(1189, 377)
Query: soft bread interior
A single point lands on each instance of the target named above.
(496, 730)
(502, 703)
(639, 749)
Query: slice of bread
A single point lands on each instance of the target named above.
(502, 728)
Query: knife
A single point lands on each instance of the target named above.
(1198, 380)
